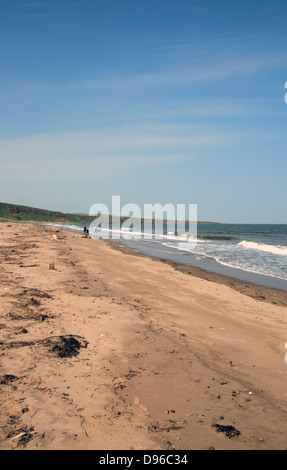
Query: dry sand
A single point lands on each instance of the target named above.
(162, 359)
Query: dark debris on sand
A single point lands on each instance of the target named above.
(63, 346)
(229, 431)
(7, 379)
(67, 346)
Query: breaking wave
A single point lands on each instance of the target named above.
(275, 249)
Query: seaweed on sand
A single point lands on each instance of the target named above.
(229, 431)
(67, 346)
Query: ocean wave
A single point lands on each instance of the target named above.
(249, 269)
(74, 228)
(231, 263)
(274, 249)
(127, 232)
(215, 237)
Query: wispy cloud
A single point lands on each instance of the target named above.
(185, 73)
(98, 154)
(179, 89)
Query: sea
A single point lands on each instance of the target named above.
(250, 252)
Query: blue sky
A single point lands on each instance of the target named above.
(157, 101)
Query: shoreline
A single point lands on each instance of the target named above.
(105, 350)
(216, 270)
(256, 291)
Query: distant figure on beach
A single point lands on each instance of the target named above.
(85, 229)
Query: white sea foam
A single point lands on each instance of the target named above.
(275, 249)
(67, 226)
(235, 261)
(127, 232)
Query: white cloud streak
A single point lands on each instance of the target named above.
(100, 153)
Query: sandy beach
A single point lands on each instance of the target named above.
(104, 349)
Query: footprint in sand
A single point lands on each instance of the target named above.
(123, 359)
(142, 407)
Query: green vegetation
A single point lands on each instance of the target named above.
(16, 213)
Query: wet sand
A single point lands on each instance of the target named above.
(105, 349)
(256, 291)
